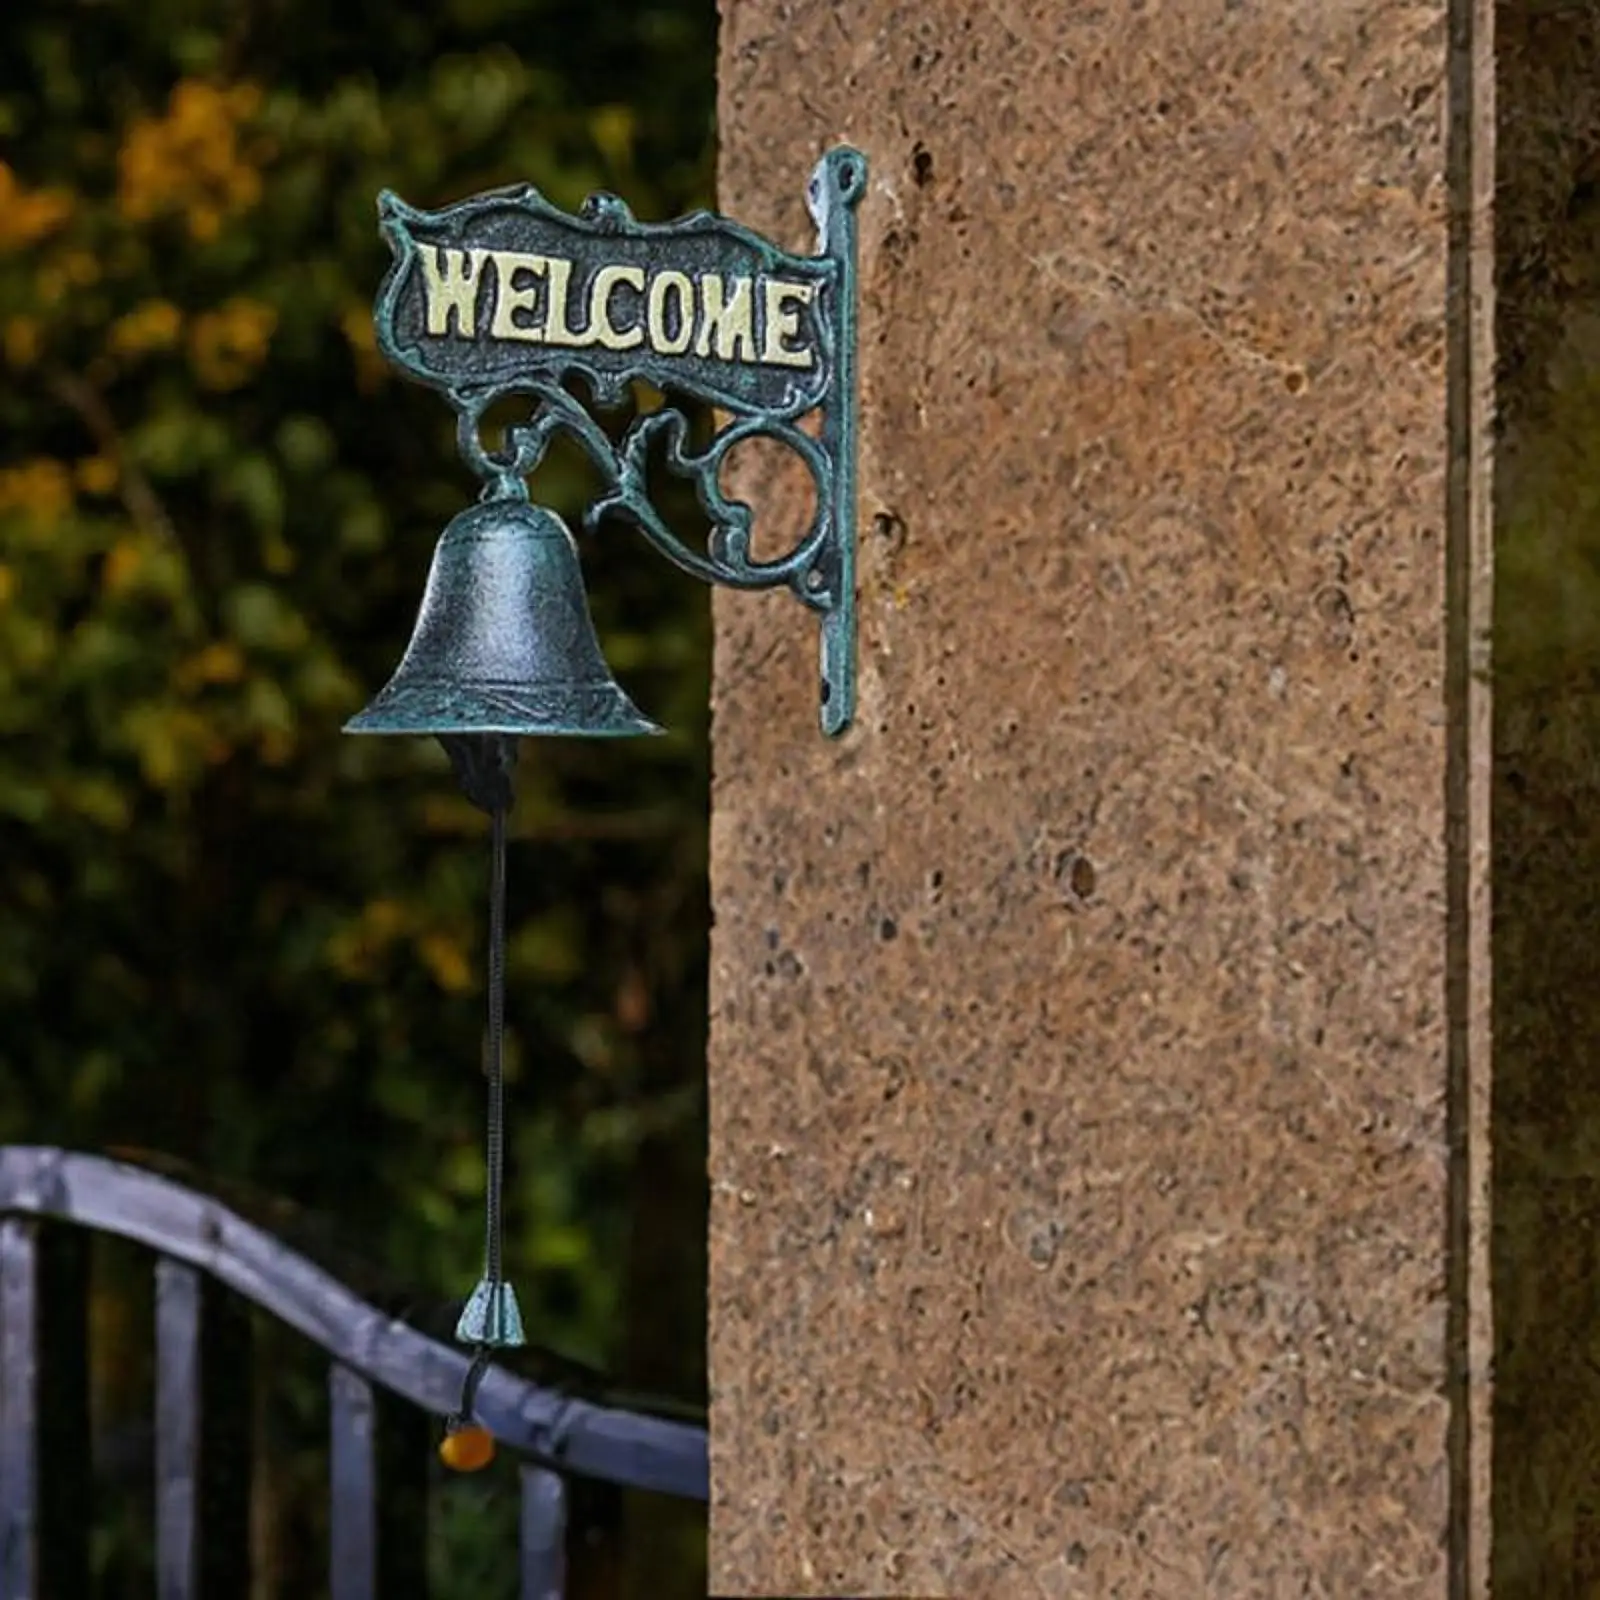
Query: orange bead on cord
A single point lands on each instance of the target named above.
(468, 1448)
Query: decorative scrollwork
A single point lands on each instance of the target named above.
(504, 295)
(625, 467)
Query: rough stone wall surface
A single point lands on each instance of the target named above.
(1078, 1056)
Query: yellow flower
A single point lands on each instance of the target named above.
(122, 564)
(613, 130)
(227, 345)
(171, 744)
(221, 661)
(8, 584)
(446, 961)
(356, 323)
(40, 490)
(97, 474)
(21, 338)
(152, 325)
(28, 215)
(385, 920)
(190, 161)
(356, 948)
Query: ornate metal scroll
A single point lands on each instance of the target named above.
(503, 294)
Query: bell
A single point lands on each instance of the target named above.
(503, 642)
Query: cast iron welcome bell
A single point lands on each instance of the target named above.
(503, 642)
(504, 295)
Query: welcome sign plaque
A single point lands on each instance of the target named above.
(504, 294)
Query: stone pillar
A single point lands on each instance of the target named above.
(1084, 1213)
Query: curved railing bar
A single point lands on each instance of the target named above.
(572, 1435)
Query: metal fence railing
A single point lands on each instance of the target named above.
(211, 1264)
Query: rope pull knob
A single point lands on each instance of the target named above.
(466, 1447)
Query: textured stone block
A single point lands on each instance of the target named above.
(1079, 1046)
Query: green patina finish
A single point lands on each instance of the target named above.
(504, 295)
(503, 643)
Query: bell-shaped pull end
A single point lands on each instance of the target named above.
(491, 1319)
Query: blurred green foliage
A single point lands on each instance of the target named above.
(226, 932)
